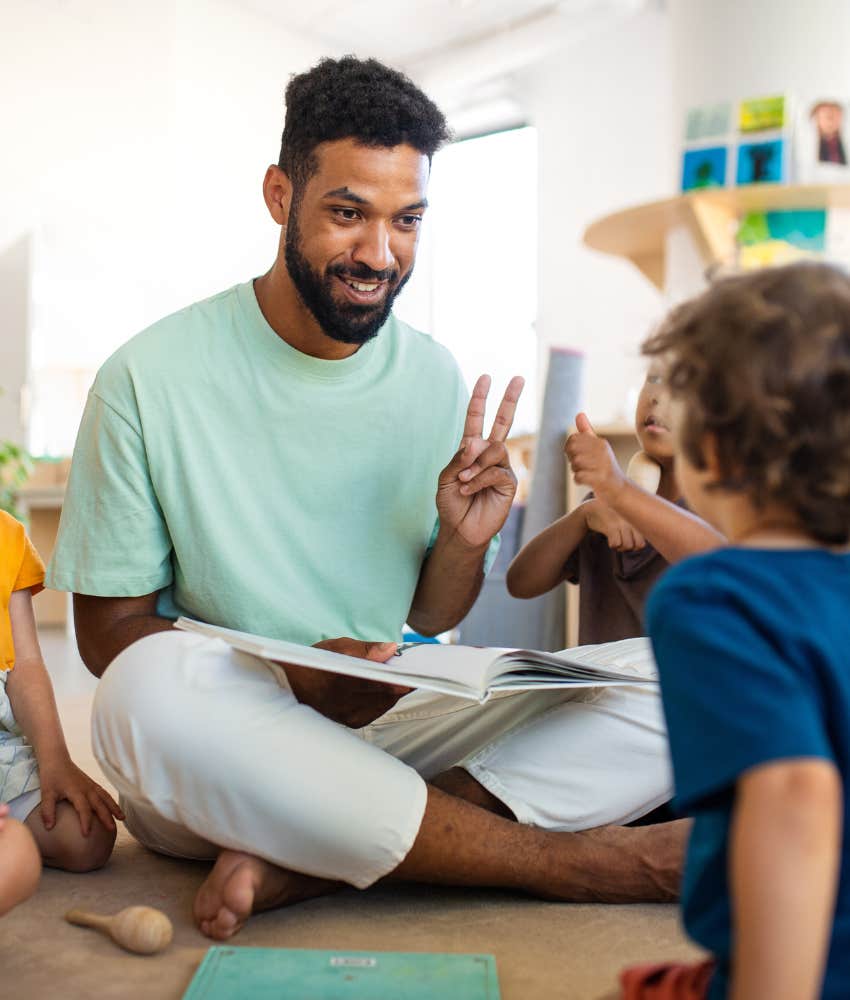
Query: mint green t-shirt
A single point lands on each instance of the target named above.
(258, 487)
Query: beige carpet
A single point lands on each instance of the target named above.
(542, 950)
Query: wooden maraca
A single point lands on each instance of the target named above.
(141, 929)
(644, 471)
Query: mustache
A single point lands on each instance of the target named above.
(362, 272)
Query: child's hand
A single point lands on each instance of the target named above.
(593, 462)
(622, 537)
(64, 780)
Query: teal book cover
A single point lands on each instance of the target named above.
(307, 974)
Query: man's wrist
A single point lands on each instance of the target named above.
(452, 543)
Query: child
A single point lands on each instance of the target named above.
(602, 544)
(752, 640)
(69, 815)
(20, 864)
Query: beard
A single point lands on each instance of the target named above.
(347, 322)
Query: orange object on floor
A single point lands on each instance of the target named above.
(667, 981)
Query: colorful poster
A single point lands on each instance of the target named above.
(761, 113)
(770, 238)
(704, 168)
(761, 162)
(712, 121)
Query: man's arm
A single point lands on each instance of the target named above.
(106, 626)
(785, 853)
(449, 583)
(474, 496)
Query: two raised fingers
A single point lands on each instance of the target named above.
(474, 424)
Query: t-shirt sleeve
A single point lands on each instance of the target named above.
(31, 570)
(113, 540)
(734, 696)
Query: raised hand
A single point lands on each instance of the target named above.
(476, 489)
(592, 461)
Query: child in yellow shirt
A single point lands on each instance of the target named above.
(48, 806)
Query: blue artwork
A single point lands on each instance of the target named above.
(704, 168)
(761, 162)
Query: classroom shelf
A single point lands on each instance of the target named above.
(639, 233)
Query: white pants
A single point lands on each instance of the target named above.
(209, 748)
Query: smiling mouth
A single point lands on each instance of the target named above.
(654, 424)
(363, 292)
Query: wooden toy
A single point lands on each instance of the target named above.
(140, 929)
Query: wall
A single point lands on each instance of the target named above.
(603, 110)
(141, 135)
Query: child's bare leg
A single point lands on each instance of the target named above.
(20, 865)
(64, 846)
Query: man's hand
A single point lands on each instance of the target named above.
(476, 489)
(62, 779)
(350, 701)
(592, 461)
(622, 537)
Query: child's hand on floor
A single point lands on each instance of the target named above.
(592, 461)
(622, 537)
(62, 779)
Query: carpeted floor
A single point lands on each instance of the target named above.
(542, 950)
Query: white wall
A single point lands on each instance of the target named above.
(140, 136)
(727, 50)
(603, 110)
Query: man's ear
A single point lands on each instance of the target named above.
(277, 191)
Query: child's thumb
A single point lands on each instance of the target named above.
(583, 425)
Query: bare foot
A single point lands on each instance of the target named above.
(241, 884)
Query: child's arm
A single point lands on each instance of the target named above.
(784, 860)
(34, 706)
(539, 566)
(675, 533)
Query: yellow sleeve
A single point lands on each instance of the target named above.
(31, 570)
(20, 569)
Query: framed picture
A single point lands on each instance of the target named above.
(822, 142)
(704, 168)
(762, 162)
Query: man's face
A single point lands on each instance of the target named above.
(352, 234)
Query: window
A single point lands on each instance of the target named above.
(475, 285)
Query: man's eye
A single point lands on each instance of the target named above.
(348, 214)
(410, 221)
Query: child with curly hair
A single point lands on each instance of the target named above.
(49, 809)
(752, 639)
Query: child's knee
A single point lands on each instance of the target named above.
(20, 868)
(86, 854)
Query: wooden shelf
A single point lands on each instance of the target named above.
(639, 233)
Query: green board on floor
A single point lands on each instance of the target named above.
(307, 974)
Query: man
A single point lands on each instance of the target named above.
(267, 460)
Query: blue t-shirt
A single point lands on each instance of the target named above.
(753, 651)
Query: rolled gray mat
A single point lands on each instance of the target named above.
(547, 498)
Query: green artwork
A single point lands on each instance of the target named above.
(761, 113)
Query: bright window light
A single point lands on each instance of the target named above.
(475, 286)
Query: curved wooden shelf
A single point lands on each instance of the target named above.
(639, 233)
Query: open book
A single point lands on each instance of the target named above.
(467, 671)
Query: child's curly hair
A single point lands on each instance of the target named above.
(762, 363)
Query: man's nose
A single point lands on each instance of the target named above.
(374, 249)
